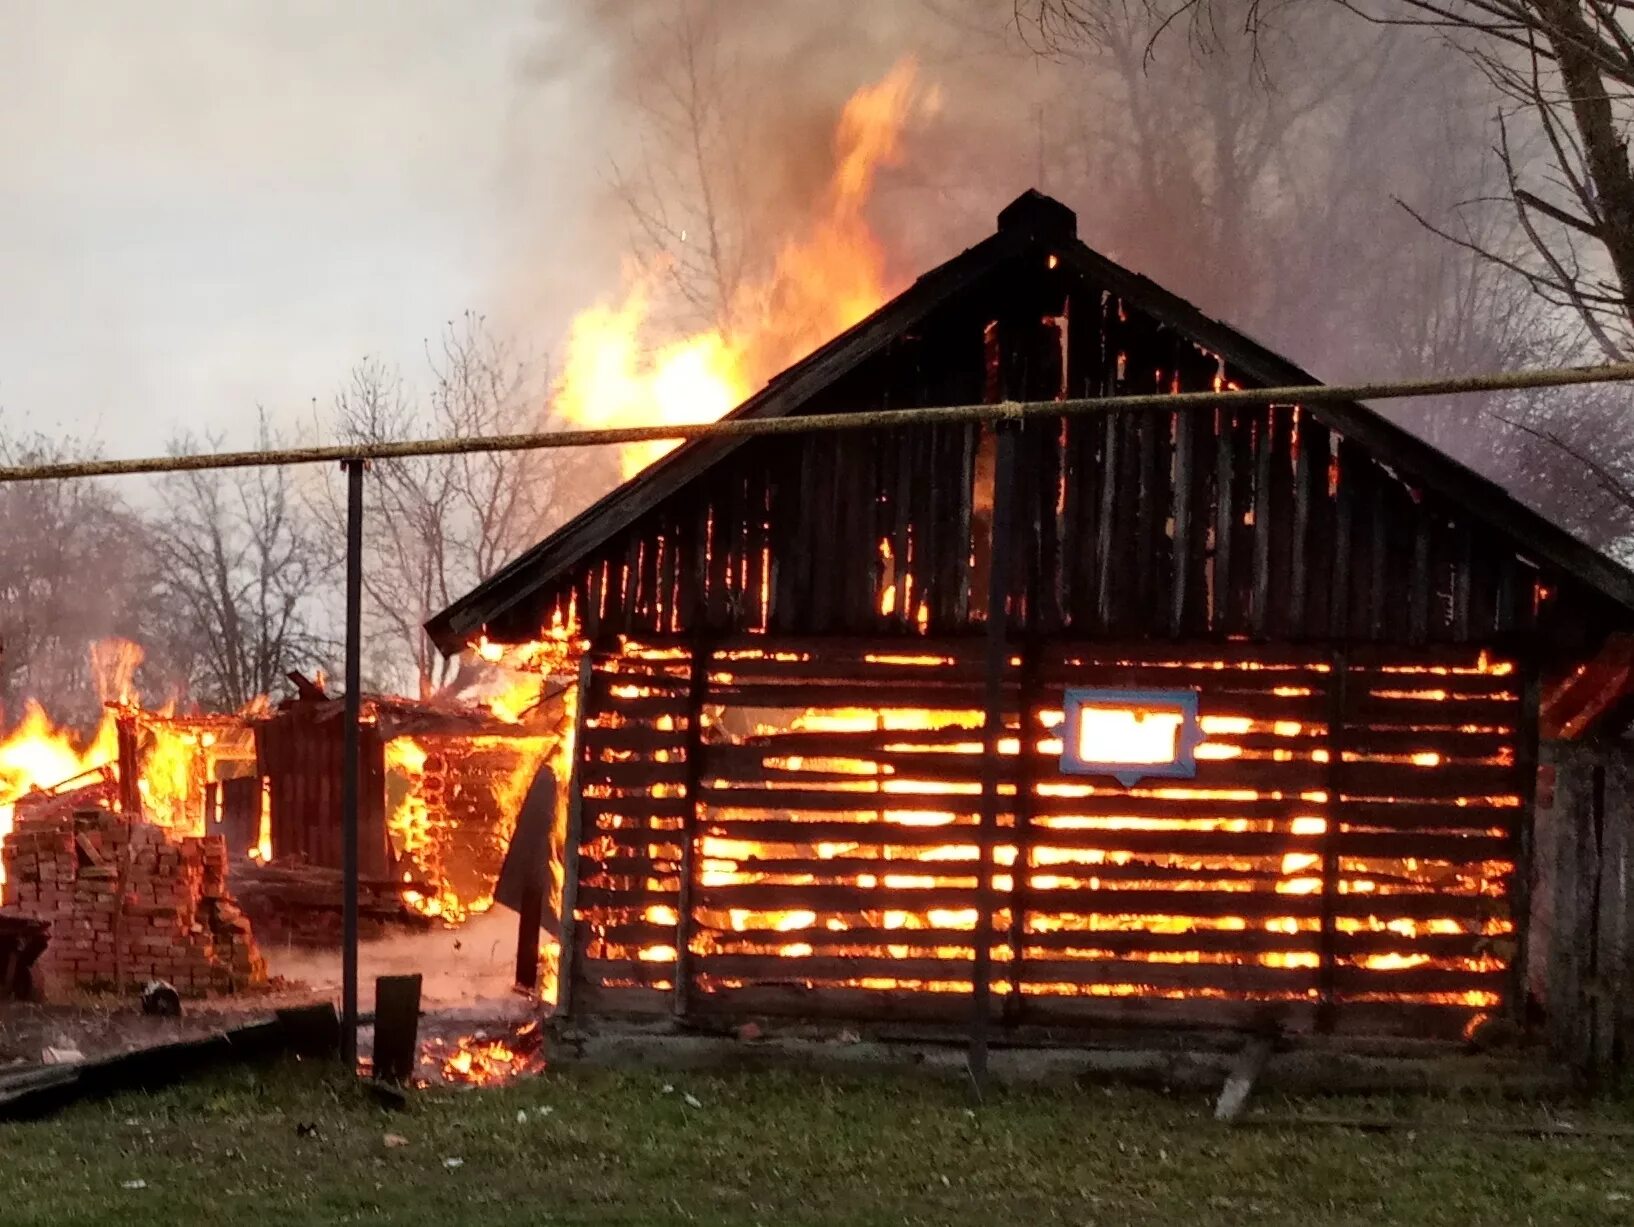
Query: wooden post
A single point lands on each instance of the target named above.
(568, 929)
(1520, 891)
(696, 692)
(998, 659)
(1021, 868)
(130, 767)
(396, 1027)
(1326, 975)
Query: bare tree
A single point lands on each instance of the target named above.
(1562, 72)
(435, 527)
(1392, 226)
(686, 189)
(241, 576)
(72, 571)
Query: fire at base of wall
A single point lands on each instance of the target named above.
(128, 903)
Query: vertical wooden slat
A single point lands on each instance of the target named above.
(568, 932)
(1463, 575)
(1377, 557)
(1260, 594)
(1279, 529)
(697, 696)
(1028, 731)
(966, 438)
(1180, 546)
(1526, 779)
(1338, 684)
(1106, 537)
(1312, 454)
(997, 662)
(1339, 619)
(1419, 597)
(1224, 475)
(1146, 527)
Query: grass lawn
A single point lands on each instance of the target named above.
(294, 1145)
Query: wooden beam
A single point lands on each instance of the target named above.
(567, 954)
(998, 660)
(697, 693)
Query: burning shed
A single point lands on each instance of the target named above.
(1265, 744)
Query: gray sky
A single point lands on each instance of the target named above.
(209, 204)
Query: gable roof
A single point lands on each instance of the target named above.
(1032, 219)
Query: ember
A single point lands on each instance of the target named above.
(491, 1057)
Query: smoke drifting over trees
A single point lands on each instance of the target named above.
(1362, 197)
(1335, 187)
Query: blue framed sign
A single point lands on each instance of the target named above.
(1130, 735)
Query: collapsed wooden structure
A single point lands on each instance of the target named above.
(435, 815)
(818, 769)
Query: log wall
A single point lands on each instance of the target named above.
(1582, 951)
(808, 845)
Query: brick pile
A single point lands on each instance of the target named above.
(128, 901)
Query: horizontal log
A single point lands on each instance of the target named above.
(786, 800)
(835, 941)
(900, 669)
(1423, 979)
(1435, 945)
(1190, 842)
(1121, 805)
(1147, 941)
(639, 708)
(632, 775)
(804, 834)
(1451, 712)
(1236, 979)
(757, 897)
(853, 744)
(710, 999)
(1152, 1012)
(1451, 743)
(774, 968)
(753, 765)
(643, 806)
(1065, 648)
(599, 1001)
(1257, 904)
(640, 737)
(800, 697)
(642, 974)
(592, 897)
(847, 869)
(1428, 816)
(665, 863)
(637, 933)
(1215, 684)
(1401, 845)
(1385, 780)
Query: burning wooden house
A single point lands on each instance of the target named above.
(1270, 701)
(442, 786)
(257, 793)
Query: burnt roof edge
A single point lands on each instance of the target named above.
(1032, 218)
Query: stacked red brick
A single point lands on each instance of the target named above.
(128, 903)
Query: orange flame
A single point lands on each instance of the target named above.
(39, 756)
(820, 284)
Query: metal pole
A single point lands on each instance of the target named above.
(998, 660)
(850, 419)
(351, 767)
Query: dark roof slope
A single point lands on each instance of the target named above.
(1030, 219)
